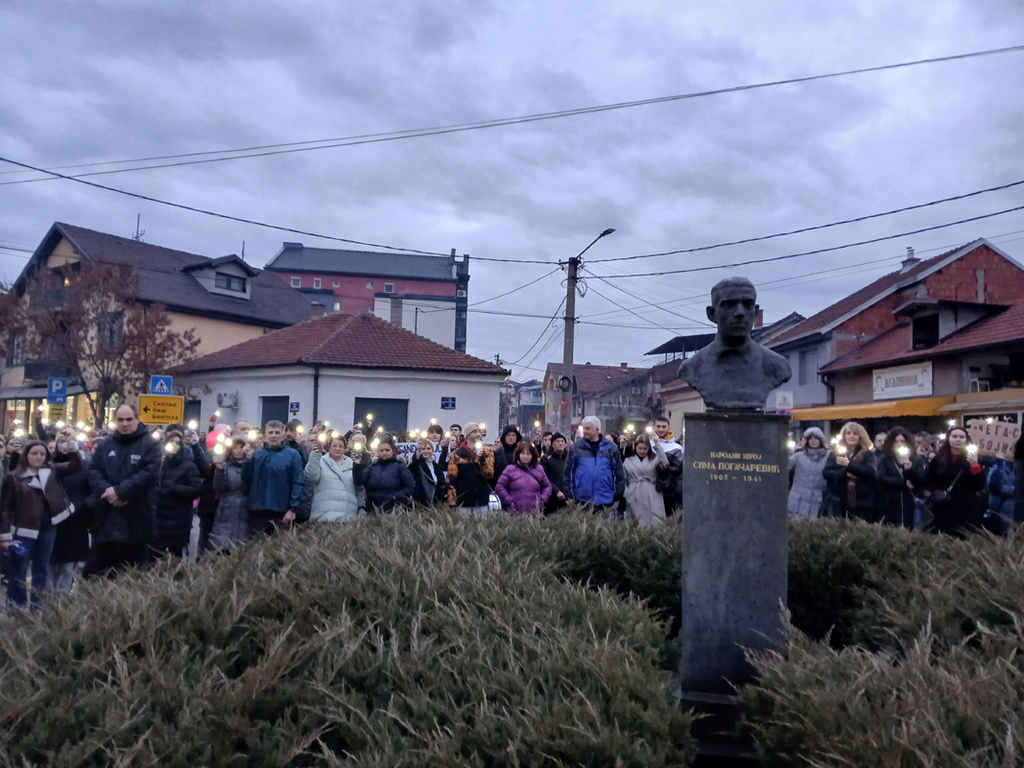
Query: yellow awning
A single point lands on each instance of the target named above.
(918, 406)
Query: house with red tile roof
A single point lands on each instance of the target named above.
(983, 358)
(616, 394)
(342, 367)
(924, 303)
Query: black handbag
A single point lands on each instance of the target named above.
(942, 496)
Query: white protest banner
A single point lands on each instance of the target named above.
(993, 437)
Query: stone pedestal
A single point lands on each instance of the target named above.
(735, 545)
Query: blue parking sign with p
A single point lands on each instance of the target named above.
(56, 390)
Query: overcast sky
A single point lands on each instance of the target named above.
(93, 82)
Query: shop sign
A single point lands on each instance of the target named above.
(903, 381)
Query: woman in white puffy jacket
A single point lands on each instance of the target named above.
(335, 494)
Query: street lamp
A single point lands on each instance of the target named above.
(565, 382)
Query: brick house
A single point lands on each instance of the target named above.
(425, 294)
(910, 343)
(978, 273)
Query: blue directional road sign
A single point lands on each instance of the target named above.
(56, 390)
(159, 385)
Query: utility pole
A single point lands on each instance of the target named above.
(568, 379)
(568, 343)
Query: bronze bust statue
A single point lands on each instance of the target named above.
(734, 372)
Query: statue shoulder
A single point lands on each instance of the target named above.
(691, 366)
(776, 365)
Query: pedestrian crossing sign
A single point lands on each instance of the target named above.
(159, 385)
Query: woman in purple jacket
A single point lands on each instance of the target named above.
(524, 487)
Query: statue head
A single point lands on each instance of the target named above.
(733, 309)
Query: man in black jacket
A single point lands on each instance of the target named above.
(123, 475)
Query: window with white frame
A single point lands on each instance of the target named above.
(296, 282)
(337, 283)
(317, 282)
(389, 287)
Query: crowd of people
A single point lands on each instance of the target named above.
(92, 505)
(903, 479)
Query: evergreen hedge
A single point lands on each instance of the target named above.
(431, 639)
(409, 640)
(930, 669)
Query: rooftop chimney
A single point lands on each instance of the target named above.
(759, 320)
(624, 366)
(317, 309)
(910, 262)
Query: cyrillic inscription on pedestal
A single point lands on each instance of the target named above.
(735, 545)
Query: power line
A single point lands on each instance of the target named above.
(293, 147)
(644, 319)
(253, 222)
(492, 298)
(814, 228)
(551, 320)
(553, 339)
(650, 305)
(819, 250)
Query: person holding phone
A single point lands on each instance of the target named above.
(331, 475)
(953, 481)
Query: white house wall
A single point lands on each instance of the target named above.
(476, 395)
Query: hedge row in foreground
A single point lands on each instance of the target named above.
(930, 670)
(430, 640)
(422, 640)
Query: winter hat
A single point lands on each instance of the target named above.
(814, 432)
(468, 427)
(556, 436)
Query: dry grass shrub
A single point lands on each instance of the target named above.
(418, 640)
(931, 672)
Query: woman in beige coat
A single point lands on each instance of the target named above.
(644, 502)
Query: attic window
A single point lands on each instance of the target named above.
(317, 282)
(389, 287)
(925, 332)
(296, 282)
(230, 282)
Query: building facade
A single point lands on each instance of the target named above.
(424, 294)
(343, 368)
(225, 301)
(978, 273)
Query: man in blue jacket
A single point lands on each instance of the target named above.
(274, 478)
(593, 468)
